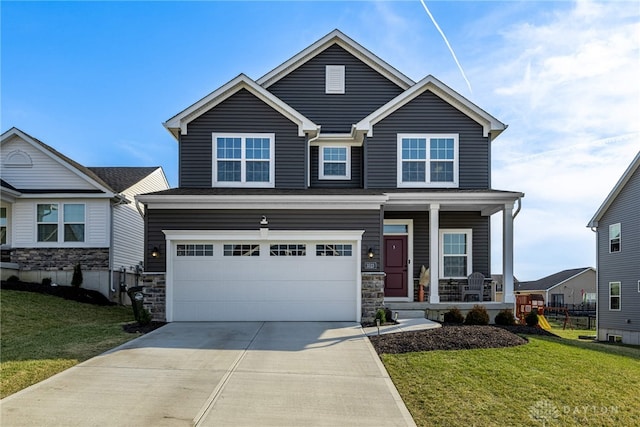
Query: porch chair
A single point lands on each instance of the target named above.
(475, 286)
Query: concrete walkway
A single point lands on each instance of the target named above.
(403, 325)
(222, 374)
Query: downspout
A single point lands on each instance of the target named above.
(595, 230)
(119, 200)
(515, 214)
(308, 156)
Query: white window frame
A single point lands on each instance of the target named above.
(5, 225)
(243, 160)
(469, 233)
(61, 224)
(334, 79)
(321, 162)
(619, 238)
(619, 296)
(427, 161)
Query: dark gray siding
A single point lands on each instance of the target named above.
(365, 91)
(623, 266)
(240, 113)
(356, 171)
(428, 113)
(481, 247)
(174, 219)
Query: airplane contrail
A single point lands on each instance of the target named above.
(447, 42)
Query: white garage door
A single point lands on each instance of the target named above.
(264, 280)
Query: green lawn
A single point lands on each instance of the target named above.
(43, 335)
(559, 381)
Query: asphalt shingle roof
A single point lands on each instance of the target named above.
(119, 178)
(549, 281)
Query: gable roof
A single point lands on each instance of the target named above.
(121, 177)
(178, 123)
(65, 161)
(491, 125)
(551, 281)
(626, 176)
(336, 37)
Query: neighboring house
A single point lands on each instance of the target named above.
(497, 287)
(56, 213)
(617, 227)
(573, 289)
(318, 191)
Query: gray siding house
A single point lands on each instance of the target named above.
(617, 227)
(574, 289)
(318, 191)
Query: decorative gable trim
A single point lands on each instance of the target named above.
(626, 176)
(178, 123)
(354, 48)
(490, 125)
(63, 160)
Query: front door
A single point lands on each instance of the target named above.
(395, 266)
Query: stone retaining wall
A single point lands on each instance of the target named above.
(155, 295)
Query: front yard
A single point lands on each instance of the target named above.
(549, 381)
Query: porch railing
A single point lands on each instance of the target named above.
(450, 290)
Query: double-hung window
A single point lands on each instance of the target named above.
(427, 160)
(335, 162)
(455, 253)
(614, 296)
(243, 160)
(48, 222)
(614, 237)
(3, 226)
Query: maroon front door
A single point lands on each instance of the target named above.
(395, 266)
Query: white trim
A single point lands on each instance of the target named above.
(243, 161)
(178, 123)
(638, 285)
(354, 48)
(427, 161)
(321, 175)
(619, 296)
(619, 238)
(409, 234)
(466, 231)
(60, 242)
(334, 79)
(490, 125)
(18, 159)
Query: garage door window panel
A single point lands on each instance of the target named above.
(241, 249)
(334, 250)
(194, 250)
(288, 250)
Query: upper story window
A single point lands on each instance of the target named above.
(427, 160)
(455, 253)
(49, 224)
(3, 226)
(334, 79)
(335, 163)
(614, 238)
(244, 160)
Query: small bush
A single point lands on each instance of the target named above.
(76, 279)
(145, 317)
(13, 279)
(477, 316)
(381, 315)
(453, 316)
(46, 281)
(388, 315)
(505, 318)
(532, 318)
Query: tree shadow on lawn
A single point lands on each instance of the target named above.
(599, 346)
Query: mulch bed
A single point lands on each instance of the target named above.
(453, 337)
(80, 294)
(137, 328)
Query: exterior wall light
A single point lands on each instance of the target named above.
(155, 252)
(370, 253)
(263, 221)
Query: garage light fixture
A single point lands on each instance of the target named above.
(155, 252)
(370, 253)
(263, 221)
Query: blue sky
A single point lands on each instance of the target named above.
(95, 80)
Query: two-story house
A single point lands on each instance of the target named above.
(617, 227)
(318, 191)
(56, 213)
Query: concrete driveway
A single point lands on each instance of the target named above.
(222, 374)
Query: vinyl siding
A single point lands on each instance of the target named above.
(365, 91)
(128, 225)
(171, 219)
(428, 113)
(241, 113)
(356, 171)
(623, 266)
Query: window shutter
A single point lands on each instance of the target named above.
(334, 79)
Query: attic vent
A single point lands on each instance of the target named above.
(18, 158)
(334, 79)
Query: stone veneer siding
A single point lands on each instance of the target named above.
(372, 295)
(50, 259)
(155, 295)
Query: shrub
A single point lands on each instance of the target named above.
(532, 318)
(505, 318)
(76, 279)
(13, 279)
(388, 314)
(46, 281)
(381, 315)
(145, 317)
(477, 316)
(453, 316)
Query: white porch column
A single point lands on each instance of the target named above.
(507, 253)
(434, 262)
